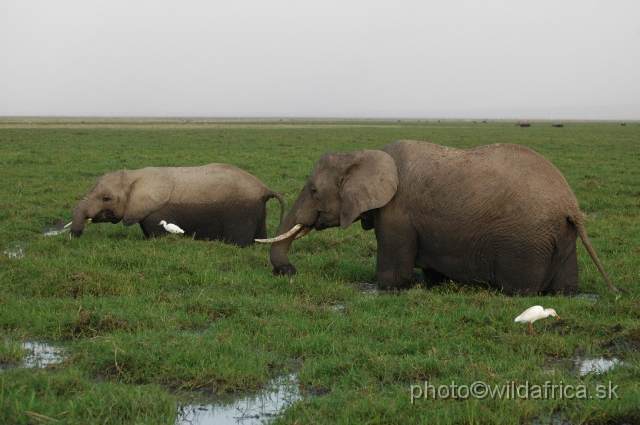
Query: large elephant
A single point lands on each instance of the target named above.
(500, 214)
(215, 201)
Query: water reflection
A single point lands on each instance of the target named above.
(582, 366)
(40, 355)
(17, 252)
(242, 408)
(54, 231)
(338, 308)
(554, 419)
(587, 296)
(366, 288)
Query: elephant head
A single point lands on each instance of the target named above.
(125, 195)
(342, 187)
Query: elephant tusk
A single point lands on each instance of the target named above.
(283, 236)
(87, 221)
(304, 233)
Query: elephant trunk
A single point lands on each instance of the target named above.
(279, 249)
(303, 215)
(300, 220)
(81, 217)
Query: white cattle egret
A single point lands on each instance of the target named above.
(534, 313)
(171, 228)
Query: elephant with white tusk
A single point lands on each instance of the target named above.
(215, 201)
(501, 214)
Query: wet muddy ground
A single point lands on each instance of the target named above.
(255, 407)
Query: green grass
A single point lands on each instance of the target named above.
(144, 320)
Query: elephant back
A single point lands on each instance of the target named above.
(215, 182)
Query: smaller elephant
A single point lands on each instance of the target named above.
(214, 201)
(523, 124)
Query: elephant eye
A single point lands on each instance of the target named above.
(314, 190)
(106, 199)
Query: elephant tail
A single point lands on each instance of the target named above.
(579, 225)
(273, 194)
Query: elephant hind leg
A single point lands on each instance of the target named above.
(241, 236)
(261, 229)
(521, 270)
(242, 230)
(565, 281)
(432, 277)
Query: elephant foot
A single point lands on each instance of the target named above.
(75, 233)
(396, 286)
(287, 270)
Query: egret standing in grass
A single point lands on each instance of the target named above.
(171, 228)
(534, 313)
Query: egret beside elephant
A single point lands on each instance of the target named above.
(500, 214)
(215, 201)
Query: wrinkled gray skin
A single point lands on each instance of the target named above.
(500, 214)
(215, 201)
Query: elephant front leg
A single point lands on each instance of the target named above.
(150, 225)
(396, 258)
(144, 230)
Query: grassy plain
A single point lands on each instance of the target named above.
(145, 320)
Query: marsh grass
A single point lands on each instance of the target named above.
(145, 320)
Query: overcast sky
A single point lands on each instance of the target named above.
(540, 59)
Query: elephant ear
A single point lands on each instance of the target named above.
(369, 182)
(150, 190)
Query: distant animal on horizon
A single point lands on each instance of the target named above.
(558, 124)
(623, 124)
(499, 214)
(171, 228)
(523, 124)
(215, 201)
